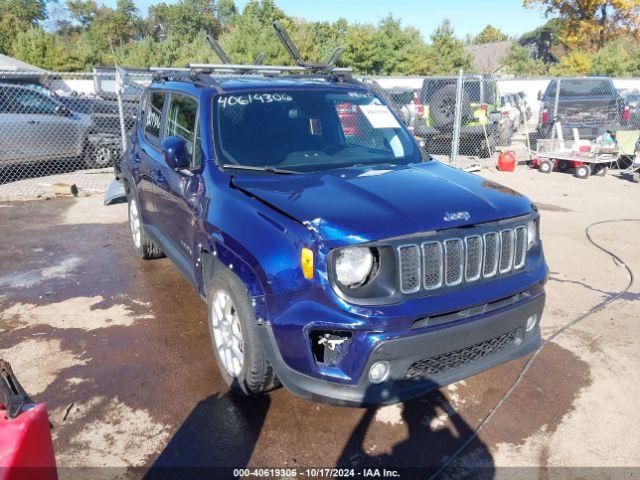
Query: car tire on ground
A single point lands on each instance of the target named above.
(546, 166)
(142, 245)
(98, 156)
(232, 325)
(602, 171)
(583, 171)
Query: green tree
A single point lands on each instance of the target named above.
(490, 34)
(575, 63)
(45, 50)
(619, 58)
(186, 19)
(519, 62)
(447, 53)
(18, 16)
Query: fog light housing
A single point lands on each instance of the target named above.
(531, 323)
(379, 372)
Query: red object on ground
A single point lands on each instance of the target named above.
(507, 161)
(26, 450)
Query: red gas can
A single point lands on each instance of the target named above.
(26, 451)
(507, 161)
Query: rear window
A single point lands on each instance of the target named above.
(582, 87)
(478, 90)
(309, 130)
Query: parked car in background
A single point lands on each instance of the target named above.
(590, 105)
(482, 127)
(632, 101)
(104, 140)
(36, 127)
(407, 104)
(511, 115)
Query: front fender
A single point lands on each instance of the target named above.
(261, 245)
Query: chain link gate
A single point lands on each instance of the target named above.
(62, 128)
(66, 127)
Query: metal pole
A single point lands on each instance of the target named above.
(123, 128)
(455, 141)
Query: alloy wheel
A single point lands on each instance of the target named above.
(227, 332)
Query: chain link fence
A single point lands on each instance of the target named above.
(63, 128)
(469, 120)
(68, 127)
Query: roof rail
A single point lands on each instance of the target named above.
(269, 70)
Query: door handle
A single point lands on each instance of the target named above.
(33, 122)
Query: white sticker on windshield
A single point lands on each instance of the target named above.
(379, 116)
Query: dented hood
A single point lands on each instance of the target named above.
(360, 204)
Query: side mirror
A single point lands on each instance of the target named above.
(539, 94)
(174, 151)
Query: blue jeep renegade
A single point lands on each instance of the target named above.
(334, 257)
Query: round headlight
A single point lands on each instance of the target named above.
(532, 234)
(353, 266)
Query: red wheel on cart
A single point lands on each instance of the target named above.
(583, 171)
(545, 166)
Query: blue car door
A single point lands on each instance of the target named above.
(146, 153)
(178, 192)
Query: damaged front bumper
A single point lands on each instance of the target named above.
(421, 362)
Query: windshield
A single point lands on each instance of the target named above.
(477, 90)
(309, 130)
(582, 87)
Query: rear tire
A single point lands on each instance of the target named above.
(545, 166)
(143, 247)
(602, 171)
(232, 325)
(583, 171)
(636, 177)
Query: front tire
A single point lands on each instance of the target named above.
(236, 345)
(545, 166)
(583, 171)
(143, 247)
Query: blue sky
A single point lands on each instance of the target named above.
(467, 16)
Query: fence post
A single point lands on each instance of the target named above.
(121, 79)
(455, 141)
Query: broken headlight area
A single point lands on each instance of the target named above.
(329, 347)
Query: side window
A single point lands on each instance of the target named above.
(153, 114)
(28, 102)
(182, 121)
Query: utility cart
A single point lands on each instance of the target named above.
(583, 156)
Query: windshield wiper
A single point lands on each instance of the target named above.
(278, 171)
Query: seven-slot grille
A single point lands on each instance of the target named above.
(453, 261)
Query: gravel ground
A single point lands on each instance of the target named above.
(120, 352)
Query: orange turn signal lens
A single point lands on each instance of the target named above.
(306, 263)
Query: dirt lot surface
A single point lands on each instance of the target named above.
(119, 350)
